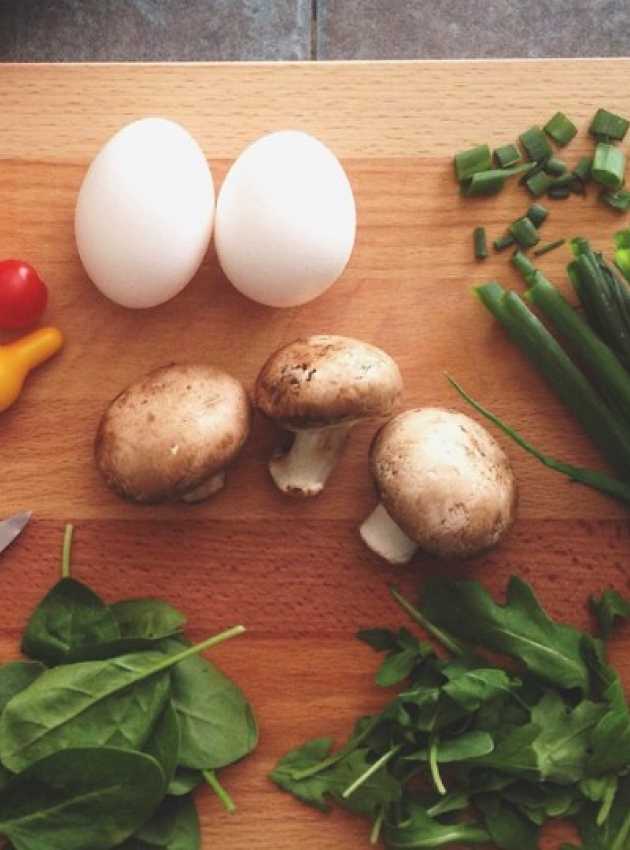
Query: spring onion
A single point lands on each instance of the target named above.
(618, 200)
(606, 126)
(561, 129)
(558, 193)
(539, 183)
(607, 431)
(555, 167)
(524, 232)
(583, 169)
(536, 144)
(537, 214)
(471, 161)
(503, 242)
(523, 264)
(480, 243)
(490, 182)
(507, 155)
(550, 246)
(609, 165)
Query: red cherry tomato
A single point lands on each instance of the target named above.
(23, 295)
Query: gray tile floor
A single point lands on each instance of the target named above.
(66, 30)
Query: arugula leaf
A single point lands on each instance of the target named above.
(312, 789)
(467, 745)
(174, 826)
(380, 640)
(520, 628)
(69, 617)
(514, 752)
(378, 790)
(614, 833)
(610, 607)
(471, 688)
(418, 830)
(15, 677)
(404, 652)
(563, 744)
(507, 828)
(184, 781)
(80, 798)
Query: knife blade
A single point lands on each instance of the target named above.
(12, 527)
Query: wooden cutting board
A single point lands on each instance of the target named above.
(295, 573)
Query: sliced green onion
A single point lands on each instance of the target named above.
(608, 126)
(570, 385)
(550, 246)
(535, 144)
(609, 165)
(480, 243)
(558, 193)
(555, 167)
(539, 183)
(471, 161)
(537, 214)
(618, 200)
(583, 169)
(524, 232)
(561, 129)
(503, 242)
(562, 180)
(490, 182)
(507, 155)
(524, 265)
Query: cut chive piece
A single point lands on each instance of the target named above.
(524, 265)
(555, 167)
(562, 180)
(583, 169)
(471, 161)
(503, 242)
(618, 200)
(480, 243)
(609, 165)
(536, 144)
(608, 126)
(559, 193)
(539, 183)
(507, 155)
(490, 182)
(537, 214)
(550, 246)
(524, 232)
(561, 129)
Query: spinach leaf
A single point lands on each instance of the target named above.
(217, 725)
(94, 702)
(184, 781)
(508, 829)
(149, 619)
(174, 826)
(69, 617)
(80, 798)
(418, 830)
(163, 743)
(610, 607)
(312, 789)
(16, 676)
(520, 628)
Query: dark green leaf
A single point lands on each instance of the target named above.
(419, 830)
(150, 619)
(471, 688)
(312, 789)
(520, 628)
(185, 780)
(467, 745)
(174, 826)
(380, 789)
(80, 798)
(508, 829)
(380, 640)
(514, 752)
(69, 617)
(163, 743)
(16, 676)
(610, 607)
(396, 667)
(614, 833)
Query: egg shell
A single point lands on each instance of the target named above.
(285, 220)
(144, 213)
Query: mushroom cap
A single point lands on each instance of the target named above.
(444, 480)
(326, 380)
(171, 431)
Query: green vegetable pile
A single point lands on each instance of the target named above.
(469, 752)
(111, 725)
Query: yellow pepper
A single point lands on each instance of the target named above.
(19, 357)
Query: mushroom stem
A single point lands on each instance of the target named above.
(304, 469)
(383, 536)
(210, 486)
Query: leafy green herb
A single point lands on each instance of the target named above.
(184, 781)
(16, 676)
(609, 608)
(418, 829)
(147, 619)
(174, 826)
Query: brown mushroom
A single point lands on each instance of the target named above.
(171, 434)
(318, 388)
(445, 485)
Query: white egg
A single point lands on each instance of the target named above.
(285, 220)
(144, 214)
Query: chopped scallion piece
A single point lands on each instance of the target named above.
(550, 246)
(524, 265)
(539, 183)
(503, 242)
(471, 161)
(559, 193)
(618, 200)
(561, 129)
(563, 180)
(609, 165)
(556, 167)
(480, 243)
(536, 144)
(524, 232)
(583, 169)
(507, 155)
(537, 214)
(491, 182)
(606, 126)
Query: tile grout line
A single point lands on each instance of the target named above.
(314, 33)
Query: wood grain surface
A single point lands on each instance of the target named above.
(295, 573)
